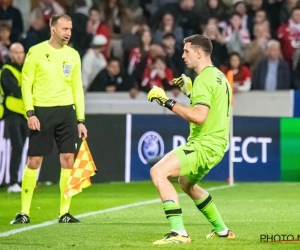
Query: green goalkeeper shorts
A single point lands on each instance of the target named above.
(196, 160)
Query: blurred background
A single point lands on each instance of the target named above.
(128, 46)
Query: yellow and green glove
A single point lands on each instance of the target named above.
(184, 83)
(159, 95)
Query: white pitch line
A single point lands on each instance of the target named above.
(51, 222)
(291, 220)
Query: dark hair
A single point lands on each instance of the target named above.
(140, 20)
(168, 35)
(160, 58)
(296, 8)
(235, 14)
(161, 26)
(200, 41)
(141, 45)
(54, 19)
(5, 26)
(108, 12)
(95, 8)
(232, 54)
(113, 59)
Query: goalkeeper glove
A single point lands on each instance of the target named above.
(185, 84)
(159, 95)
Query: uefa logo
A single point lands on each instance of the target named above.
(150, 145)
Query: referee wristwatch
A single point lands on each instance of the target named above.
(30, 113)
(81, 122)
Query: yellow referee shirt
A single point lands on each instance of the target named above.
(52, 77)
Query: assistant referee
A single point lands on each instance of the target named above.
(53, 97)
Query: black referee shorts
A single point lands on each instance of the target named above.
(58, 123)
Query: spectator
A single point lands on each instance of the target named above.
(132, 38)
(157, 74)
(272, 73)
(219, 54)
(213, 9)
(37, 32)
(141, 51)
(173, 54)
(49, 8)
(5, 32)
(273, 9)
(80, 38)
(255, 5)
(261, 18)
(96, 26)
(287, 9)
(135, 7)
(120, 20)
(236, 37)
(132, 59)
(13, 17)
(4, 43)
(241, 73)
(168, 25)
(220, 25)
(147, 61)
(289, 36)
(239, 7)
(156, 5)
(93, 61)
(255, 51)
(83, 5)
(113, 79)
(252, 13)
(145, 42)
(185, 16)
(146, 6)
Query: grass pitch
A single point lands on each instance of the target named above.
(249, 209)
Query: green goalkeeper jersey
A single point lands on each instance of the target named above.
(212, 89)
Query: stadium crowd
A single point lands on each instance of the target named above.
(131, 45)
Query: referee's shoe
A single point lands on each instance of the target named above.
(21, 218)
(67, 218)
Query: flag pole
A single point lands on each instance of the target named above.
(230, 79)
(231, 167)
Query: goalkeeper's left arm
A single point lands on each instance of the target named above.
(196, 114)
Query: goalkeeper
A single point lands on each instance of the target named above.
(209, 116)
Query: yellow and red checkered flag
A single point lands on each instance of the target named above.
(84, 167)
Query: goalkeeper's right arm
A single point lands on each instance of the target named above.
(185, 84)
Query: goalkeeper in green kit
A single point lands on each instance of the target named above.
(209, 117)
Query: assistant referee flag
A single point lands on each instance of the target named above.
(84, 167)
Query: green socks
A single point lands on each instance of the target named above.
(174, 215)
(64, 203)
(28, 186)
(29, 183)
(210, 211)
